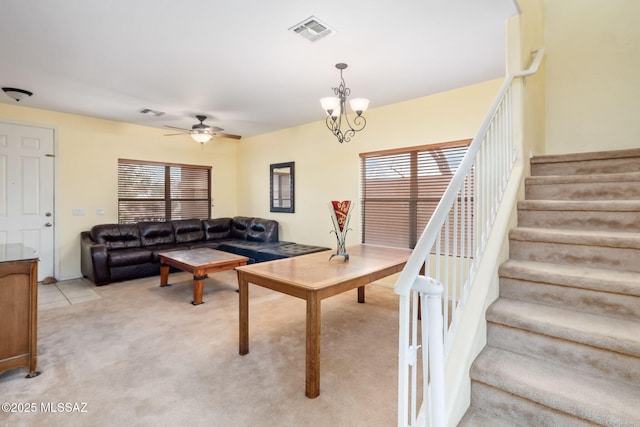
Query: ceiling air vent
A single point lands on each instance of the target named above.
(151, 112)
(312, 29)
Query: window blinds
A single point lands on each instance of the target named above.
(400, 190)
(150, 191)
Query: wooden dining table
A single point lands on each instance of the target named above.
(314, 277)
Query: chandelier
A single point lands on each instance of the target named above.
(335, 107)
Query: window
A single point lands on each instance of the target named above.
(400, 189)
(151, 191)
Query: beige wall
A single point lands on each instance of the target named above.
(327, 170)
(532, 21)
(87, 152)
(593, 75)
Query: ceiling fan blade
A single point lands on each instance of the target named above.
(201, 128)
(173, 127)
(227, 135)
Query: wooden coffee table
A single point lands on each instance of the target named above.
(313, 278)
(200, 263)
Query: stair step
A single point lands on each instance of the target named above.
(587, 163)
(597, 345)
(476, 417)
(597, 249)
(613, 186)
(604, 215)
(617, 335)
(548, 391)
(593, 290)
(517, 411)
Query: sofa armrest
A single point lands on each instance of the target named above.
(93, 260)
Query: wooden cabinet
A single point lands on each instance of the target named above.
(18, 308)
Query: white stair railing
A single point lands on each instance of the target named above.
(437, 278)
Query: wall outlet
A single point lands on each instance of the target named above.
(100, 211)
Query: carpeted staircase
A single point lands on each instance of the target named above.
(563, 338)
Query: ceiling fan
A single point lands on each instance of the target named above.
(202, 133)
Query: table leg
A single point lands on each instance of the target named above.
(198, 288)
(312, 386)
(164, 275)
(361, 294)
(243, 289)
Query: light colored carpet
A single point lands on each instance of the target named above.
(143, 355)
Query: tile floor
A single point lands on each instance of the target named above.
(65, 293)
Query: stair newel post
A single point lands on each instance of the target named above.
(431, 292)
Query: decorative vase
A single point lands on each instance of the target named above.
(340, 216)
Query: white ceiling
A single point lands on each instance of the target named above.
(236, 61)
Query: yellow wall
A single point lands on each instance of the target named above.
(532, 21)
(87, 152)
(593, 75)
(327, 170)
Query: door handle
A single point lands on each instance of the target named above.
(48, 224)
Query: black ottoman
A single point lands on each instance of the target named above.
(249, 249)
(287, 251)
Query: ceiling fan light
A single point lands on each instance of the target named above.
(359, 105)
(15, 93)
(201, 137)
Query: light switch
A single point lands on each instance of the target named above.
(78, 212)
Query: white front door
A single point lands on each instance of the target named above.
(26, 191)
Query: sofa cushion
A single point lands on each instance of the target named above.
(262, 230)
(130, 256)
(116, 236)
(218, 228)
(239, 227)
(156, 233)
(188, 230)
